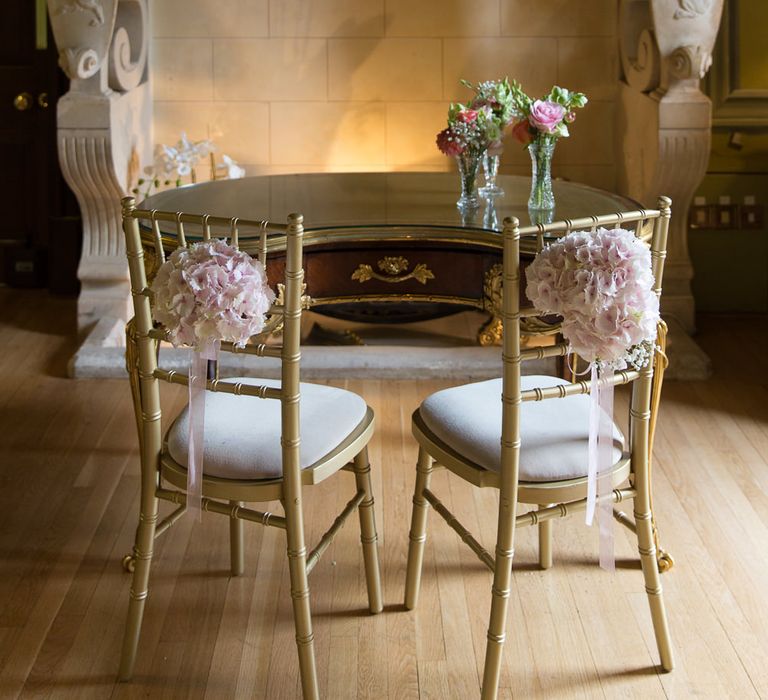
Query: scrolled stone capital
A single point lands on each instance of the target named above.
(667, 44)
(128, 51)
(83, 31)
(688, 62)
(80, 63)
(642, 64)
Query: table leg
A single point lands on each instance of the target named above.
(491, 331)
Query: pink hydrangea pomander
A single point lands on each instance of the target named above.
(211, 291)
(601, 283)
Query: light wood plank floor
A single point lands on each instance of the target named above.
(68, 505)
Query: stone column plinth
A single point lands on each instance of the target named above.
(104, 134)
(665, 121)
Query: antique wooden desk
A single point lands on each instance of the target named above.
(395, 241)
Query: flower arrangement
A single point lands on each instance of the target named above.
(474, 129)
(478, 125)
(468, 131)
(601, 283)
(544, 119)
(494, 96)
(211, 290)
(538, 124)
(174, 163)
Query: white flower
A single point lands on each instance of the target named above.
(234, 171)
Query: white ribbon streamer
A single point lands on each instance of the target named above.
(198, 375)
(599, 486)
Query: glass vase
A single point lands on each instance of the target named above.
(541, 199)
(469, 164)
(491, 170)
(491, 216)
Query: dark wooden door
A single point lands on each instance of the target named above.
(37, 210)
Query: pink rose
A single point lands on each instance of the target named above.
(447, 143)
(521, 131)
(546, 115)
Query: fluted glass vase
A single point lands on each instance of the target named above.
(491, 170)
(542, 198)
(469, 164)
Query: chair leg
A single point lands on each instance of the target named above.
(501, 589)
(368, 536)
(145, 538)
(545, 542)
(302, 614)
(236, 549)
(647, 551)
(418, 534)
(639, 427)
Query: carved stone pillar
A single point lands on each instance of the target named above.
(665, 120)
(104, 133)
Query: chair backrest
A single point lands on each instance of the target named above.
(150, 236)
(650, 225)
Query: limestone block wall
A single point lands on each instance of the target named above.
(312, 85)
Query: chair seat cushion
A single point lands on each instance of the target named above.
(242, 433)
(554, 433)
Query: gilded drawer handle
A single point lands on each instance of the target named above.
(392, 267)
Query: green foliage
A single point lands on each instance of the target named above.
(566, 98)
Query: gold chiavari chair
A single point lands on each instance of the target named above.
(264, 440)
(527, 436)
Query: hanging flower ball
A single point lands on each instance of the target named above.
(211, 291)
(601, 283)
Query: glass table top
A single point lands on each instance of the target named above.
(338, 200)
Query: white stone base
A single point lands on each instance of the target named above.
(386, 355)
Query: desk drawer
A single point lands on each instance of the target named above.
(397, 272)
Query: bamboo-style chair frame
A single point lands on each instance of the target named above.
(227, 496)
(631, 476)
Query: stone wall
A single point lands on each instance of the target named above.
(306, 85)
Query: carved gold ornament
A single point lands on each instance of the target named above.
(392, 267)
(492, 331)
(492, 290)
(306, 300)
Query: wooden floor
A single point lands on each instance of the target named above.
(68, 506)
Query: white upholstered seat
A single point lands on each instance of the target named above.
(242, 433)
(554, 434)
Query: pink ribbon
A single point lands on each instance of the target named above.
(198, 375)
(599, 486)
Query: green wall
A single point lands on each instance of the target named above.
(731, 265)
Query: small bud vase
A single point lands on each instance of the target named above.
(542, 198)
(491, 170)
(469, 164)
